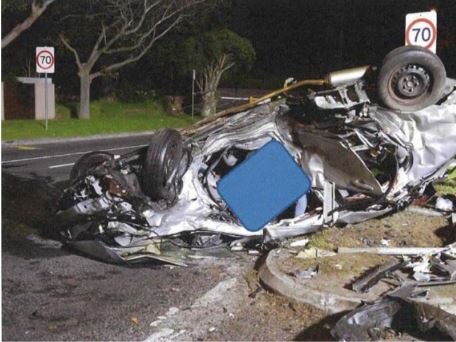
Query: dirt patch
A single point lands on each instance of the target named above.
(398, 230)
(270, 317)
(336, 267)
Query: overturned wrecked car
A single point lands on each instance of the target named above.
(369, 142)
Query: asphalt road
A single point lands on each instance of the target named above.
(55, 159)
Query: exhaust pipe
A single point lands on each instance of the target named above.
(346, 76)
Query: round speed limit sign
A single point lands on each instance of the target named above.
(421, 30)
(45, 60)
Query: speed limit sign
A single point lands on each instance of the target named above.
(45, 60)
(421, 29)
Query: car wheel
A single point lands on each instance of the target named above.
(410, 79)
(399, 50)
(87, 162)
(161, 165)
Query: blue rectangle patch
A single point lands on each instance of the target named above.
(263, 186)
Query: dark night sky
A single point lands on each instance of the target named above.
(292, 38)
(304, 38)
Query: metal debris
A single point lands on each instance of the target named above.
(299, 243)
(304, 274)
(444, 204)
(397, 250)
(363, 161)
(365, 283)
(367, 322)
(401, 310)
(314, 252)
(426, 264)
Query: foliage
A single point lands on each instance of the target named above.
(131, 93)
(448, 185)
(212, 54)
(165, 67)
(203, 49)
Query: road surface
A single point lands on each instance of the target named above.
(55, 159)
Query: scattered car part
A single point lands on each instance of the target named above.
(367, 322)
(314, 252)
(400, 310)
(396, 250)
(305, 274)
(428, 265)
(444, 204)
(365, 283)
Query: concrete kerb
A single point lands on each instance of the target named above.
(285, 285)
(74, 139)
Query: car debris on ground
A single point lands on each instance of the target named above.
(362, 161)
(403, 307)
(415, 270)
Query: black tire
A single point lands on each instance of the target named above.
(160, 176)
(87, 162)
(411, 78)
(399, 50)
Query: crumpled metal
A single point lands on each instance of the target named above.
(424, 143)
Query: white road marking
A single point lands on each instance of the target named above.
(201, 318)
(68, 154)
(60, 165)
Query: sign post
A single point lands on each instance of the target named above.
(193, 91)
(46, 100)
(421, 30)
(45, 63)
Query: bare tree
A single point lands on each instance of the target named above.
(127, 30)
(209, 80)
(212, 54)
(37, 10)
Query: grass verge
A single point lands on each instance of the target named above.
(447, 186)
(106, 117)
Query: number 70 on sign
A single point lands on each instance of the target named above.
(45, 60)
(421, 30)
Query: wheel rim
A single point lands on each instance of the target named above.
(410, 83)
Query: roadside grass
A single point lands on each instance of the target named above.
(447, 186)
(106, 117)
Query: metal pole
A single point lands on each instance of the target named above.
(193, 92)
(46, 100)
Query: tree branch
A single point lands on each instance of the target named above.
(37, 11)
(72, 49)
(95, 54)
(140, 40)
(132, 59)
(147, 9)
